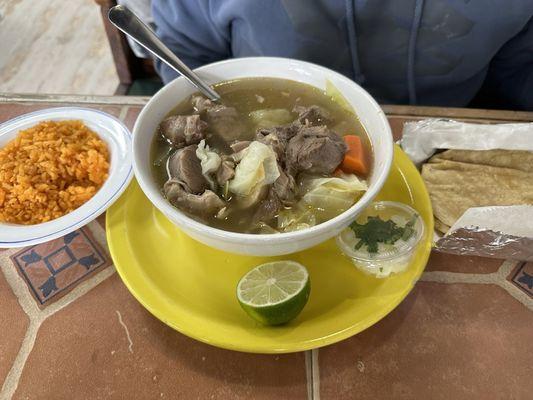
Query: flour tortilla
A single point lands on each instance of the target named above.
(460, 179)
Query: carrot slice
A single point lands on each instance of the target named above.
(355, 160)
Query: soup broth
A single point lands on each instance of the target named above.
(254, 99)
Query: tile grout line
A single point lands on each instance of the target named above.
(498, 278)
(35, 315)
(12, 379)
(309, 373)
(503, 272)
(517, 294)
(315, 374)
(99, 235)
(18, 286)
(32, 311)
(123, 112)
(457, 277)
(506, 268)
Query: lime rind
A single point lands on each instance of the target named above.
(274, 293)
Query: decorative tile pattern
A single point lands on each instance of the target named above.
(53, 268)
(522, 277)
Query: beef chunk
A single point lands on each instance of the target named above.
(285, 187)
(182, 130)
(201, 104)
(268, 208)
(283, 132)
(277, 137)
(225, 172)
(315, 150)
(276, 143)
(185, 167)
(280, 193)
(312, 115)
(222, 120)
(225, 122)
(206, 204)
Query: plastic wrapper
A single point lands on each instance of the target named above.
(498, 232)
(423, 138)
(504, 232)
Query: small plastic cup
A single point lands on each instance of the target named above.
(389, 259)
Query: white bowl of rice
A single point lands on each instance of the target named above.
(60, 168)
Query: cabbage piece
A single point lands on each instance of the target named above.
(256, 195)
(263, 228)
(332, 196)
(209, 160)
(270, 118)
(337, 96)
(296, 218)
(258, 167)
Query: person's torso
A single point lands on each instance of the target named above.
(455, 43)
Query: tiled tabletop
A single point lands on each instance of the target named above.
(71, 330)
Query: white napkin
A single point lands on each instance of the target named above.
(422, 138)
(509, 220)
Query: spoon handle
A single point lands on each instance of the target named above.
(131, 25)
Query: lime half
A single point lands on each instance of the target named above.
(275, 292)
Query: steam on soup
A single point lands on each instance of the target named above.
(273, 156)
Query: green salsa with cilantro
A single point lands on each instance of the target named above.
(377, 230)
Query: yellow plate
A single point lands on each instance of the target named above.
(191, 287)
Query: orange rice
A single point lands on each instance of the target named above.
(49, 170)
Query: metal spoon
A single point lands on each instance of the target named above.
(131, 25)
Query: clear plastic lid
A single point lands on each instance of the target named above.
(384, 258)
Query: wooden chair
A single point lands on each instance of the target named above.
(132, 71)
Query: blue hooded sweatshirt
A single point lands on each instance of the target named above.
(431, 52)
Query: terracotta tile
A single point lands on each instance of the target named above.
(12, 110)
(443, 342)
(465, 264)
(522, 277)
(396, 124)
(83, 352)
(101, 220)
(113, 110)
(131, 116)
(13, 325)
(53, 268)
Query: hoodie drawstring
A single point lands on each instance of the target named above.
(415, 26)
(352, 41)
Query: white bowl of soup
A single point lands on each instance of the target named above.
(287, 160)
